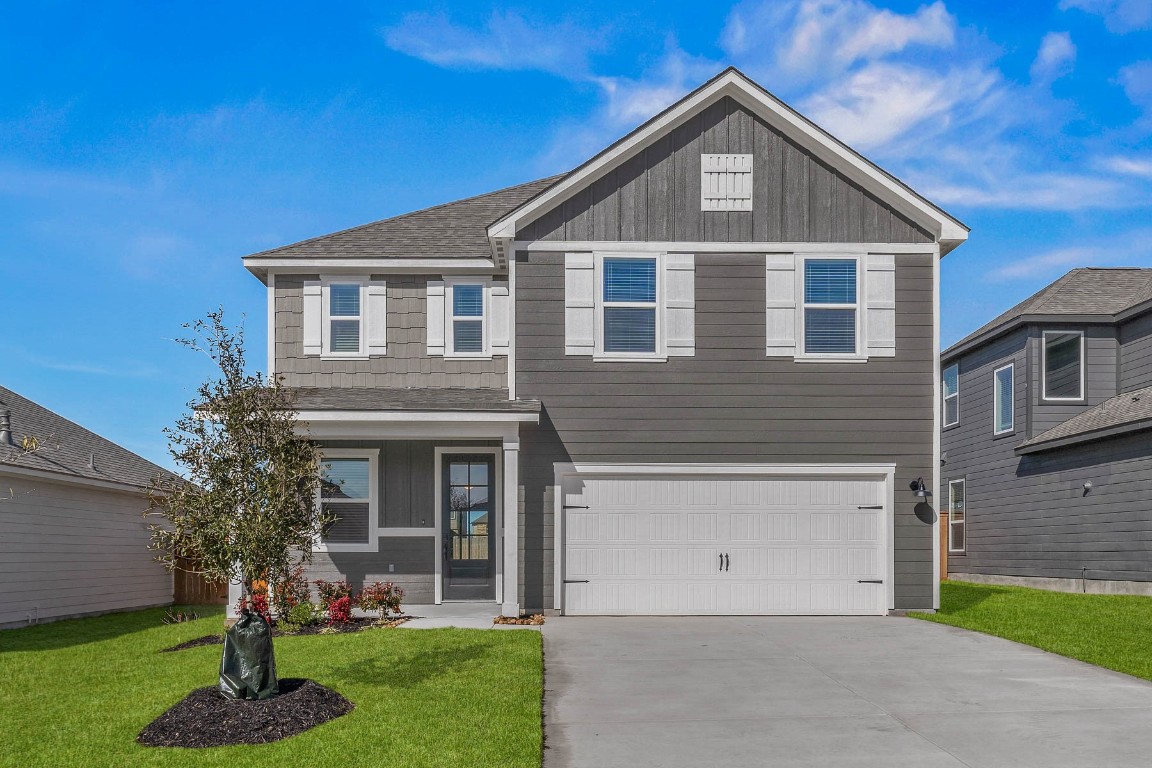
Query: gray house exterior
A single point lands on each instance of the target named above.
(1047, 476)
(697, 374)
(73, 539)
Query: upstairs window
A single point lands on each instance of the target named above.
(1063, 365)
(467, 325)
(951, 392)
(628, 309)
(344, 319)
(956, 515)
(831, 307)
(1003, 397)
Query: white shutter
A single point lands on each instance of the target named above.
(680, 304)
(435, 317)
(500, 319)
(579, 304)
(313, 317)
(377, 304)
(780, 304)
(880, 312)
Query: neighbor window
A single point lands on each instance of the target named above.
(951, 393)
(344, 319)
(830, 307)
(346, 497)
(1063, 365)
(1003, 398)
(467, 322)
(628, 308)
(956, 516)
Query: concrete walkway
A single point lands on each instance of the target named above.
(821, 692)
(465, 614)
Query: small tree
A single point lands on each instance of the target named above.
(249, 509)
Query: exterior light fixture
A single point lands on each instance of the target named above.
(919, 489)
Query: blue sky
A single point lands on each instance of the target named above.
(146, 147)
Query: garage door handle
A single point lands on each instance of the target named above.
(566, 506)
(721, 561)
(727, 563)
(575, 581)
(877, 506)
(870, 581)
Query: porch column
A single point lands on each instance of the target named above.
(510, 514)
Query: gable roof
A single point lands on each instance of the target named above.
(1124, 413)
(1095, 293)
(949, 231)
(66, 448)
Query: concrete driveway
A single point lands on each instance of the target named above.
(823, 692)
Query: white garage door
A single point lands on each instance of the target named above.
(731, 545)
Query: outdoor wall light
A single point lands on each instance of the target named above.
(919, 489)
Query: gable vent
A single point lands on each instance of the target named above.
(726, 182)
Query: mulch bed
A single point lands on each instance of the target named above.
(534, 620)
(196, 643)
(207, 718)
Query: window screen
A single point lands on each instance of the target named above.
(1062, 374)
(830, 306)
(629, 306)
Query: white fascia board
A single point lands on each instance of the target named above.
(948, 231)
(506, 432)
(732, 469)
(259, 264)
(421, 417)
(567, 246)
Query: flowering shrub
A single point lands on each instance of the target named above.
(380, 597)
(290, 591)
(332, 590)
(340, 610)
(257, 604)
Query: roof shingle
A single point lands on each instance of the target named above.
(373, 399)
(1130, 409)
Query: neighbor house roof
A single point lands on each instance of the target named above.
(1089, 293)
(1128, 412)
(46, 441)
(373, 399)
(451, 230)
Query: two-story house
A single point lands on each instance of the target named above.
(1047, 476)
(695, 375)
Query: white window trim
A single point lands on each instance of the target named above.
(450, 284)
(660, 353)
(326, 318)
(964, 522)
(1044, 367)
(944, 398)
(996, 401)
(374, 479)
(860, 354)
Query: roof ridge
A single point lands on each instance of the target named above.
(401, 216)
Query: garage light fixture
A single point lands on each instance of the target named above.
(919, 489)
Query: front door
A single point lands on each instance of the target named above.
(469, 491)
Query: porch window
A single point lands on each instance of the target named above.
(348, 498)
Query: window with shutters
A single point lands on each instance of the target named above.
(344, 318)
(831, 318)
(950, 390)
(628, 308)
(348, 499)
(1063, 365)
(725, 182)
(469, 318)
(466, 325)
(1003, 399)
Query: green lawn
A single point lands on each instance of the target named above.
(76, 693)
(1113, 631)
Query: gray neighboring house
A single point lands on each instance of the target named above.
(72, 537)
(1047, 439)
(695, 375)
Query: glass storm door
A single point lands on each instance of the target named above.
(468, 546)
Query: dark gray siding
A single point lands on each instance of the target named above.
(1100, 356)
(655, 196)
(407, 363)
(1136, 353)
(412, 557)
(729, 403)
(1028, 515)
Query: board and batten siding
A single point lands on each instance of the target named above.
(70, 550)
(1136, 353)
(655, 196)
(407, 363)
(1029, 516)
(727, 404)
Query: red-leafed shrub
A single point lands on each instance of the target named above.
(383, 598)
(290, 591)
(332, 590)
(340, 610)
(257, 603)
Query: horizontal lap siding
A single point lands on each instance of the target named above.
(1028, 515)
(68, 550)
(1100, 356)
(728, 404)
(413, 559)
(655, 195)
(407, 363)
(1136, 354)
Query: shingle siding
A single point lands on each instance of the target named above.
(728, 403)
(655, 196)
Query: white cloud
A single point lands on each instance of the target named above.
(1043, 264)
(507, 41)
(1136, 79)
(1119, 15)
(1128, 165)
(1039, 191)
(1055, 58)
(1126, 249)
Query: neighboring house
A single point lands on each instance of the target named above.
(1047, 438)
(73, 539)
(695, 375)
